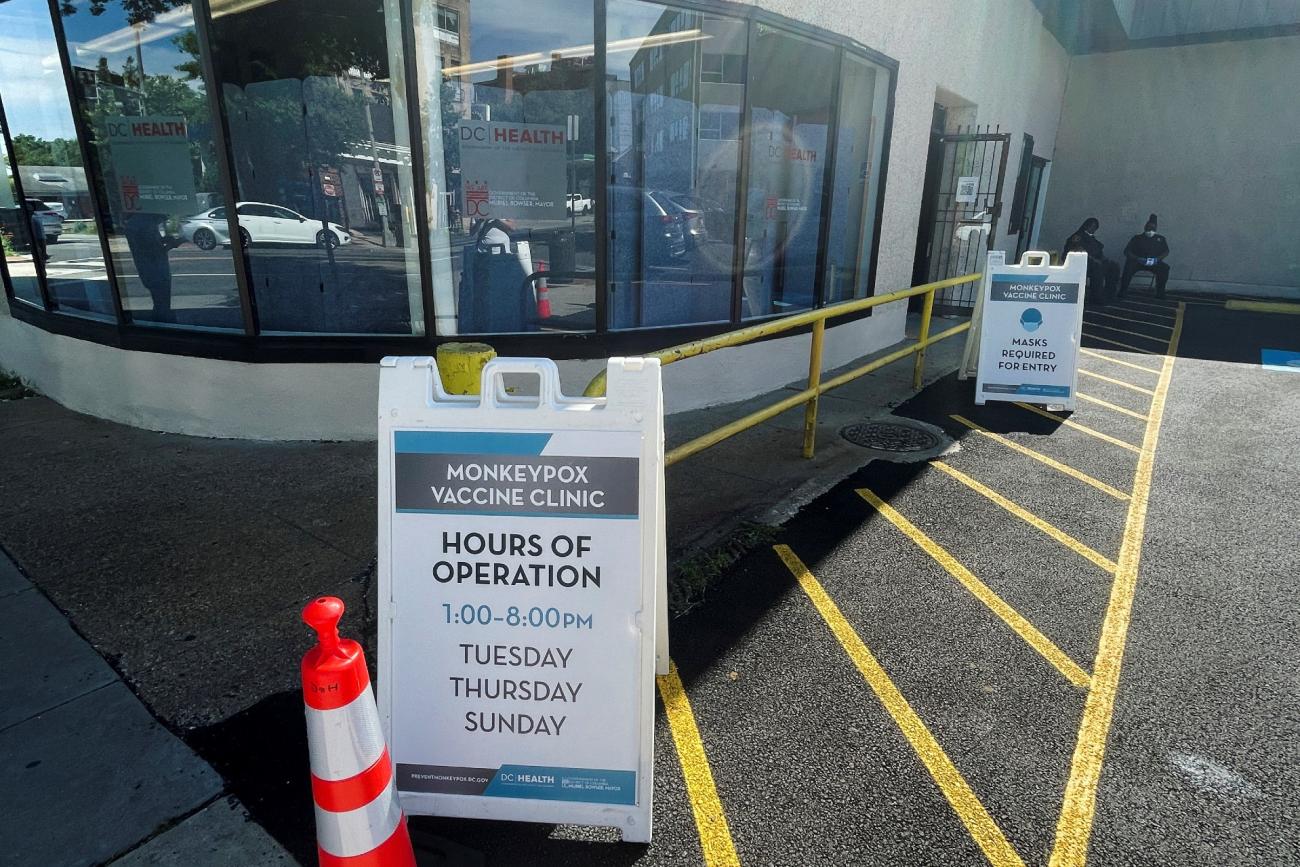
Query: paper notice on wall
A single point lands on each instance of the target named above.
(967, 189)
(513, 170)
(149, 160)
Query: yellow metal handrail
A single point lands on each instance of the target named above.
(809, 396)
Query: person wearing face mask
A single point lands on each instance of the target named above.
(1102, 272)
(1146, 252)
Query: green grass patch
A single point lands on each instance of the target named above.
(13, 388)
(691, 578)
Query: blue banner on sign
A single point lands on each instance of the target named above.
(587, 785)
(428, 442)
(1027, 388)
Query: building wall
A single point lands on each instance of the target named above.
(228, 399)
(994, 58)
(994, 55)
(1216, 158)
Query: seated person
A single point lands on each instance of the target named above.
(1146, 252)
(1102, 273)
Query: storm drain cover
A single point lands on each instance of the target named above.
(890, 436)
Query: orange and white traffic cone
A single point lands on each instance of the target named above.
(543, 302)
(359, 822)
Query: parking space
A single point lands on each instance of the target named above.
(930, 665)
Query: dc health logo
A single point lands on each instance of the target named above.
(1031, 319)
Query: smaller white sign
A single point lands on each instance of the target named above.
(968, 187)
(1031, 321)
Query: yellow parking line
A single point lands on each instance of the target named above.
(1028, 517)
(1128, 319)
(1095, 354)
(1141, 312)
(1106, 327)
(1074, 828)
(1116, 381)
(710, 820)
(1263, 306)
(963, 800)
(1019, 625)
(1127, 346)
(1137, 415)
(1166, 309)
(1080, 427)
(1054, 464)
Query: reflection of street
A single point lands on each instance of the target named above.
(291, 279)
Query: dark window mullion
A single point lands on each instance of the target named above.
(22, 210)
(419, 179)
(828, 182)
(742, 185)
(100, 208)
(225, 166)
(601, 138)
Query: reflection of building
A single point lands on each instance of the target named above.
(109, 90)
(274, 103)
(58, 185)
(451, 29)
(687, 94)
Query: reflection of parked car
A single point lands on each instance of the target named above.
(260, 223)
(578, 204)
(692, 218)
(662, 238)
(719, 220)
(51, 221)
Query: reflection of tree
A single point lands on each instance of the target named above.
(277, 144)
(32, 151)
(312, 37)
(136, 10)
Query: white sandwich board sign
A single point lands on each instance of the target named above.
(519, 593)
(1030, 322)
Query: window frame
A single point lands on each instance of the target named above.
(254, 346)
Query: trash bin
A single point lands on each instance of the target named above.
(563, 259)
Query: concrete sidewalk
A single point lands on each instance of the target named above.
(81, 752)
(185, 562)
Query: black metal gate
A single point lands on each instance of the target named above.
(961, 203)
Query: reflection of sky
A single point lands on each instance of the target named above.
(31, 80)
(91, 37)
(497, 27)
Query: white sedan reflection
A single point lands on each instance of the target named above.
(261, 223)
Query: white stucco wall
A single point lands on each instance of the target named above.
(995, 54)
(992, 54)
(207, 397)
(1216, 155)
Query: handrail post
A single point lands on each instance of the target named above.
(919, 366)
(814, 380)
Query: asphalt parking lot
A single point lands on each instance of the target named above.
(1065, 642)
(1070, 639)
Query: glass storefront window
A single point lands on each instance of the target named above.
(864, 95)
(510, 139)
(268, 148)
(57, 207)
(138, 76)
(16, 236)
(674, 95)
(322, 162)
(788, 122)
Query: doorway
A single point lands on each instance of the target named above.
(960, 206)
(1029, 209)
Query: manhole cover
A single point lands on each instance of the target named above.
(888, 436)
